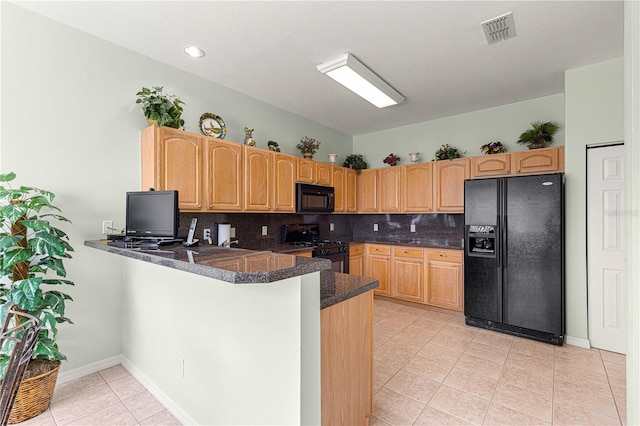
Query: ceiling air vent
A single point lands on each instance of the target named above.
(500, 28)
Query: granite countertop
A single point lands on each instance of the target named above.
(240, 266)
(449, 244)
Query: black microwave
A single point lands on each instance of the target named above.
(314, 198)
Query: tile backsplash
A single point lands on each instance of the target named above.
(430, 229)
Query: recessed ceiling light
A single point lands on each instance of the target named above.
(355, 76)
(193, 51)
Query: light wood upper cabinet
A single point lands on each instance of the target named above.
(390, 189)
(417, 188)
(172, 160)
(306, 170)
(223, 175)
(449, 177)
(258, 178)
(368, 191)
(284, 183)
(494, 165)
(444, 279)
(339, 187)
(536, 161)
(324, 175)
(378, 266)
(350, 190)
(407, 273)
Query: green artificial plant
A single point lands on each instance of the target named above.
(356, 162)
(540, 135)
(32, 251)
(447, 152)
(166, 110)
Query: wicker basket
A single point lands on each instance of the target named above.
(34, 396)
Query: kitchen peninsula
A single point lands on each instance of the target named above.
(228, 336)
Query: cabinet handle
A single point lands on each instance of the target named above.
(518, 171)
(507, 172)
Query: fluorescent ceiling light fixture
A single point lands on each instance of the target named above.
(193, 51)
(355, 76)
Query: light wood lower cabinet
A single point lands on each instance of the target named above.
(378, 266)
(444, 272)
(356, 259)
(346, 332)
(407, 273)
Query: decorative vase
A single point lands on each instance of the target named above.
(414, 157)
(332, 158)
(248, 137)
(308, 155)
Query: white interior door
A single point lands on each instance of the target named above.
(605, 248)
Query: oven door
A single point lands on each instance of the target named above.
(339, 262)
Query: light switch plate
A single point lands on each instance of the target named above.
(232, 233)
(413, 228)
(264, 230)
(375, 227)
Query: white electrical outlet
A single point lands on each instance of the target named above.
(264, 230)
(413, 228)
(232, 233)
(331, 227)
(107, 227)
(206, 234)
(375, 227)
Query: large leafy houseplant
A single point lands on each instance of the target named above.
(166, 110)
(32, 251)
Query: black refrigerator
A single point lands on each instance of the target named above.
(514, 256)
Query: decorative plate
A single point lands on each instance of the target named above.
(212, 125)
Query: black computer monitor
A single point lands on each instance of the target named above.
(152, 214)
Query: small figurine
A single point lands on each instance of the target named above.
(248, 138)
(273, 146)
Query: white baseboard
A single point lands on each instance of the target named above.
(574, 341)
(168, 403)
(94, 367)
(85, 370)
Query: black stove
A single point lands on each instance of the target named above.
(308, 235)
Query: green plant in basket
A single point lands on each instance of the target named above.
(32, 251)
(356, 162)
(446, 152)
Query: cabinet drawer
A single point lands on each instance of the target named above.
(376, 249)
(445, 255)
(411, 252)
(356, 249)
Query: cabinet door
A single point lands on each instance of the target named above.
(339, 184)
(417, 188)
(536, 161)
(257, 179)
(356, 259)
(180, 167)
(378, 266)
(407, 274)
(350, 190)
(494, 165)
(444, 284)
(323, 174)
(223, 173)
(390, 193)
(284, 183)
(306, 170)
(368, 191)
(449, 176)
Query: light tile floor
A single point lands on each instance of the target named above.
(109, 397)
(429, 368)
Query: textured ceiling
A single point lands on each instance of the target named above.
(433, 52)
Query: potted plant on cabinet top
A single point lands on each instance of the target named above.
(392, 159)
(308, 146)
(540, 135)
(31, 260)
(446, 152)
(165, 110)
(356, 162)
(492, 148)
